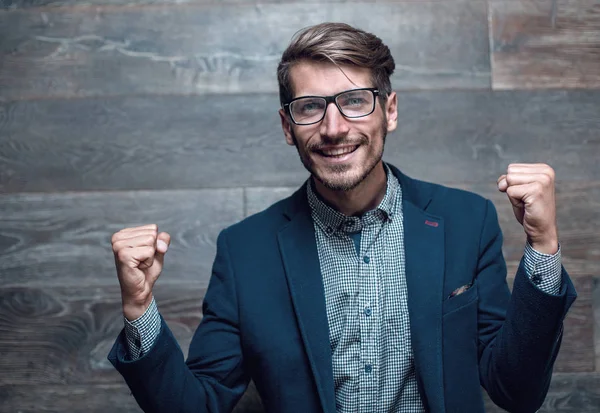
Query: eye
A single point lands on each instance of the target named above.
(308, 106)
(353, 101)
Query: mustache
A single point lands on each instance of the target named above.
(329, 143)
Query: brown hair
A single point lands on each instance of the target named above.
(339, 44)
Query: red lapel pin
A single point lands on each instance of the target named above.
(431, 223)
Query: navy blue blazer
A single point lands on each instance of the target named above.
(265, 319)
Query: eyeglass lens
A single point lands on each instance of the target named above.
(353, 104)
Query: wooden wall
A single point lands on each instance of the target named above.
(117, 113)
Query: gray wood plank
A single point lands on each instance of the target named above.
(596, 305)
(545, 44)
(69, 331)
(200, 49)
(578, 215)
(98, 398)
(62, 335)
(64, 239)
(28, 4)
(171, 142)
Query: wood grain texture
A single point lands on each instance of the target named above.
(28, 4)
(596, 305)
(69, 333)
(569, 393)
(236, 141)
(200, 49)
(90, 399)
(64, 239)
(545, 44)
(62, 335)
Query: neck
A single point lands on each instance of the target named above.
(365, 197)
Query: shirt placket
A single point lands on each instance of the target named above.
(369, 316)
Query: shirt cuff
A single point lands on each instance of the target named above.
(142, 332)
(544, 270)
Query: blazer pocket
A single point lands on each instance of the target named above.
(460, 300)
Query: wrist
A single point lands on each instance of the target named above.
(134, 309)
(549, 246)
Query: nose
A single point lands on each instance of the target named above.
(334, 124)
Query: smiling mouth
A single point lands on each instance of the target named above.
(337, 152)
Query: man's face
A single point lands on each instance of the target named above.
(361, 139)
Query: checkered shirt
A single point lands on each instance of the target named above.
(363, 268)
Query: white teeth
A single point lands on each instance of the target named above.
(340, 151)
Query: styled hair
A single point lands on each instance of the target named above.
(340, 44)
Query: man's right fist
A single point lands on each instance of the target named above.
(139, 256)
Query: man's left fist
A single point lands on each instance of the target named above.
(530, 189)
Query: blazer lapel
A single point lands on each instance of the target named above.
(298, 249)
(424, 251)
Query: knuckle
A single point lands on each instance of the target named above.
(547, 179)
(122, 255)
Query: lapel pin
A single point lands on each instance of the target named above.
(431, 223)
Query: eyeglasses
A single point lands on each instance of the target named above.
(355, 103)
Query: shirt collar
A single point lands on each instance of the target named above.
(331, 220)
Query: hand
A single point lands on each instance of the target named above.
(139, 256)
(530, 189)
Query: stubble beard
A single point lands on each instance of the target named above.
(337, 182)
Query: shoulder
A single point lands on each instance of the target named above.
(447, 197)
(269, 220)
(462, 210)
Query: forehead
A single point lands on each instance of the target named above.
(325, 78)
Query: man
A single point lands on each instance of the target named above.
(366, 290)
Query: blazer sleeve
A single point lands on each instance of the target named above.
(212, 379)
(519, 333)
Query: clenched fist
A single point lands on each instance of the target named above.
(139, 256)
(530, 190)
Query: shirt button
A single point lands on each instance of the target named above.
(349, 223)
(329, 230)
(368, 368)
(366, 259)
(368, 311)
(537, 280)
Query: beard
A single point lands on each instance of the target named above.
(338, 177)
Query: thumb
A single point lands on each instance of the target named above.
(162, 244)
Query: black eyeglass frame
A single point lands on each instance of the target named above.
(332, 99)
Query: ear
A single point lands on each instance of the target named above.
(286, 125)
(391, 109)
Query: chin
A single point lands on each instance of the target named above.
(341, 180)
